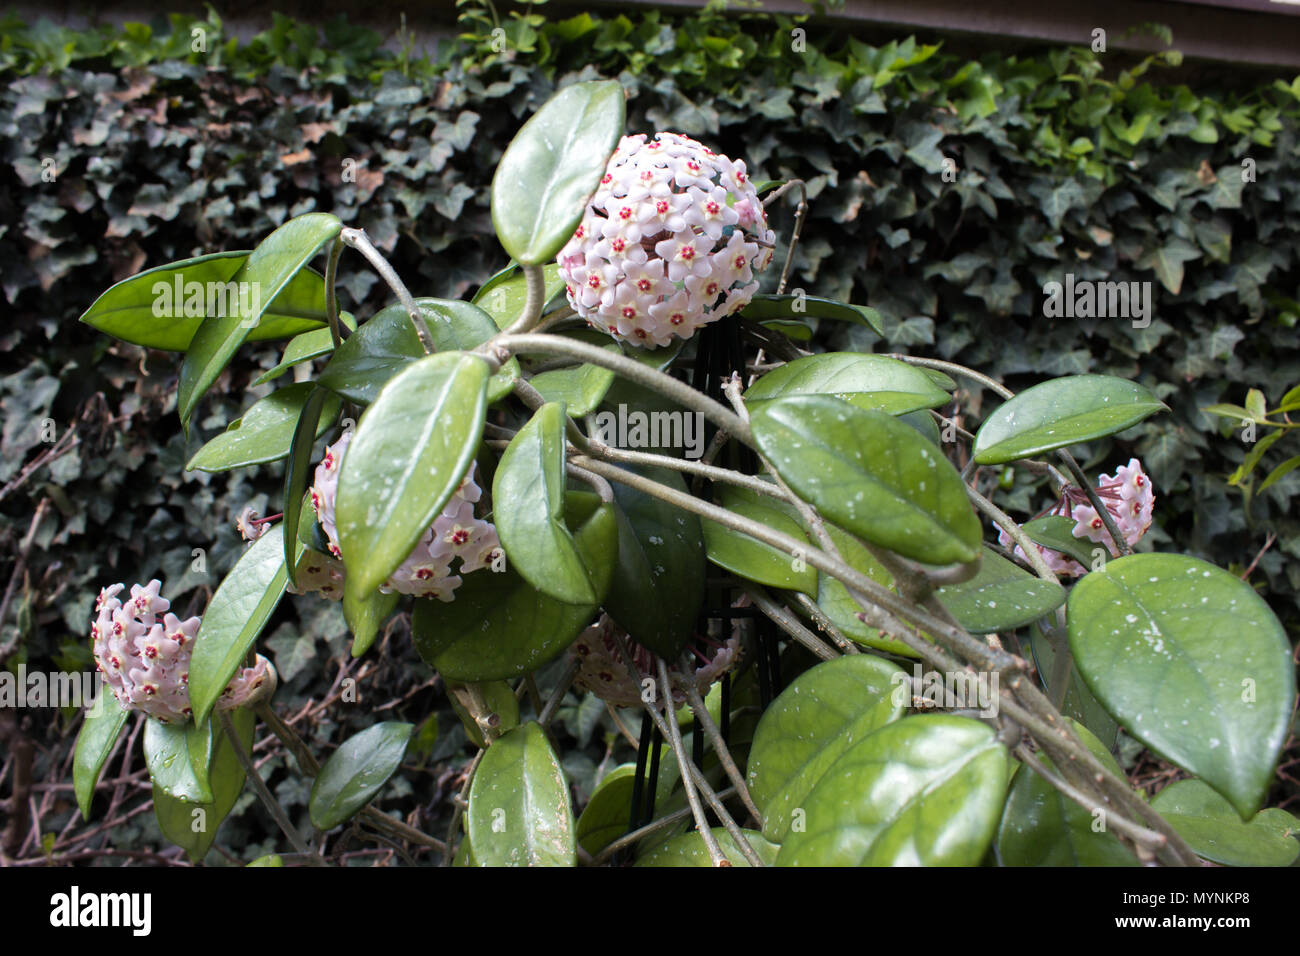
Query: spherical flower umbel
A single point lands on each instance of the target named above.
(603, 671)
(145, 660)
(1128, 496)
(427, 571)
(670, 241)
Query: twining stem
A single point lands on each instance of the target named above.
(712, 472)
(1004, 521)
(331, 294)
(534, 300)
(800, 212)
(654, 826)
(956, 369)
(357, 239)
(259, 787)
(855, 580)
(814, 611)
(705, 720)
(600, 485)
(488, 722)
(787, 622)
(458, 805)
(631, 369)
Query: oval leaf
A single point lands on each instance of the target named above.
(1043, 827)
(800, 306)
(1057, 533)
(867, 381)
(924, 791)
(100, 729)
(1212, 828)
(265, 431)
(235, 617)
(871, 474)
(1192, 662)
(162, 308)
(834, 598)
(658, 584)
(552, 167)
(264, 275)
(688, 849)
(304, 348)
(817, 718)
(411, 450)
(529, 483)
(177, 756)
(519, 811)
(1001, 597)
(606, 815)
(355, 772)
(752, 559)
(500, 626)
(504, 295)
(388, 343)
(1061, 412)
(177, 818)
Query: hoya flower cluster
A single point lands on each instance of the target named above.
(668, 243)
(146, 661)
(603, 672)
(1129, 498)
(427, 571)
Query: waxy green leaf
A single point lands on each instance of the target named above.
(688, 849)
(870, 474)
(411, 450)
(552, 167)
(305, 347)
(1057, 533)
(1001, 597)
(354, 773)
(750, 558)
(1212, 828)
(500, 626)
(923, 791)
(1192, 662)
(1061, 412)
(235, 617)
(265, 431)
(146, 309)
(100, 728)
(388, 343)
(503, 296)
(298, 468)
(519, 809)
(799, 306)
(193, 826)
(867, 381)
(817, 718)
(529, 482)
(266, 273)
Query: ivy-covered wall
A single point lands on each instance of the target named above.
(946, 192)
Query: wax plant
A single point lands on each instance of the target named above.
(952, 682)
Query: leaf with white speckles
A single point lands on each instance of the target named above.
(870, 474)
(1001, 597)
(519, 810)
(1192, 662)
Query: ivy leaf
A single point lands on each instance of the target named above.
(1167, 262)
(411, 450)
(1148, 635)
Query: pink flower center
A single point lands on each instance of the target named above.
(677, 318)
(712, 208)
(625, 213)
(629, 312)
(643, 285)
(594, 281)
(618, 244)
